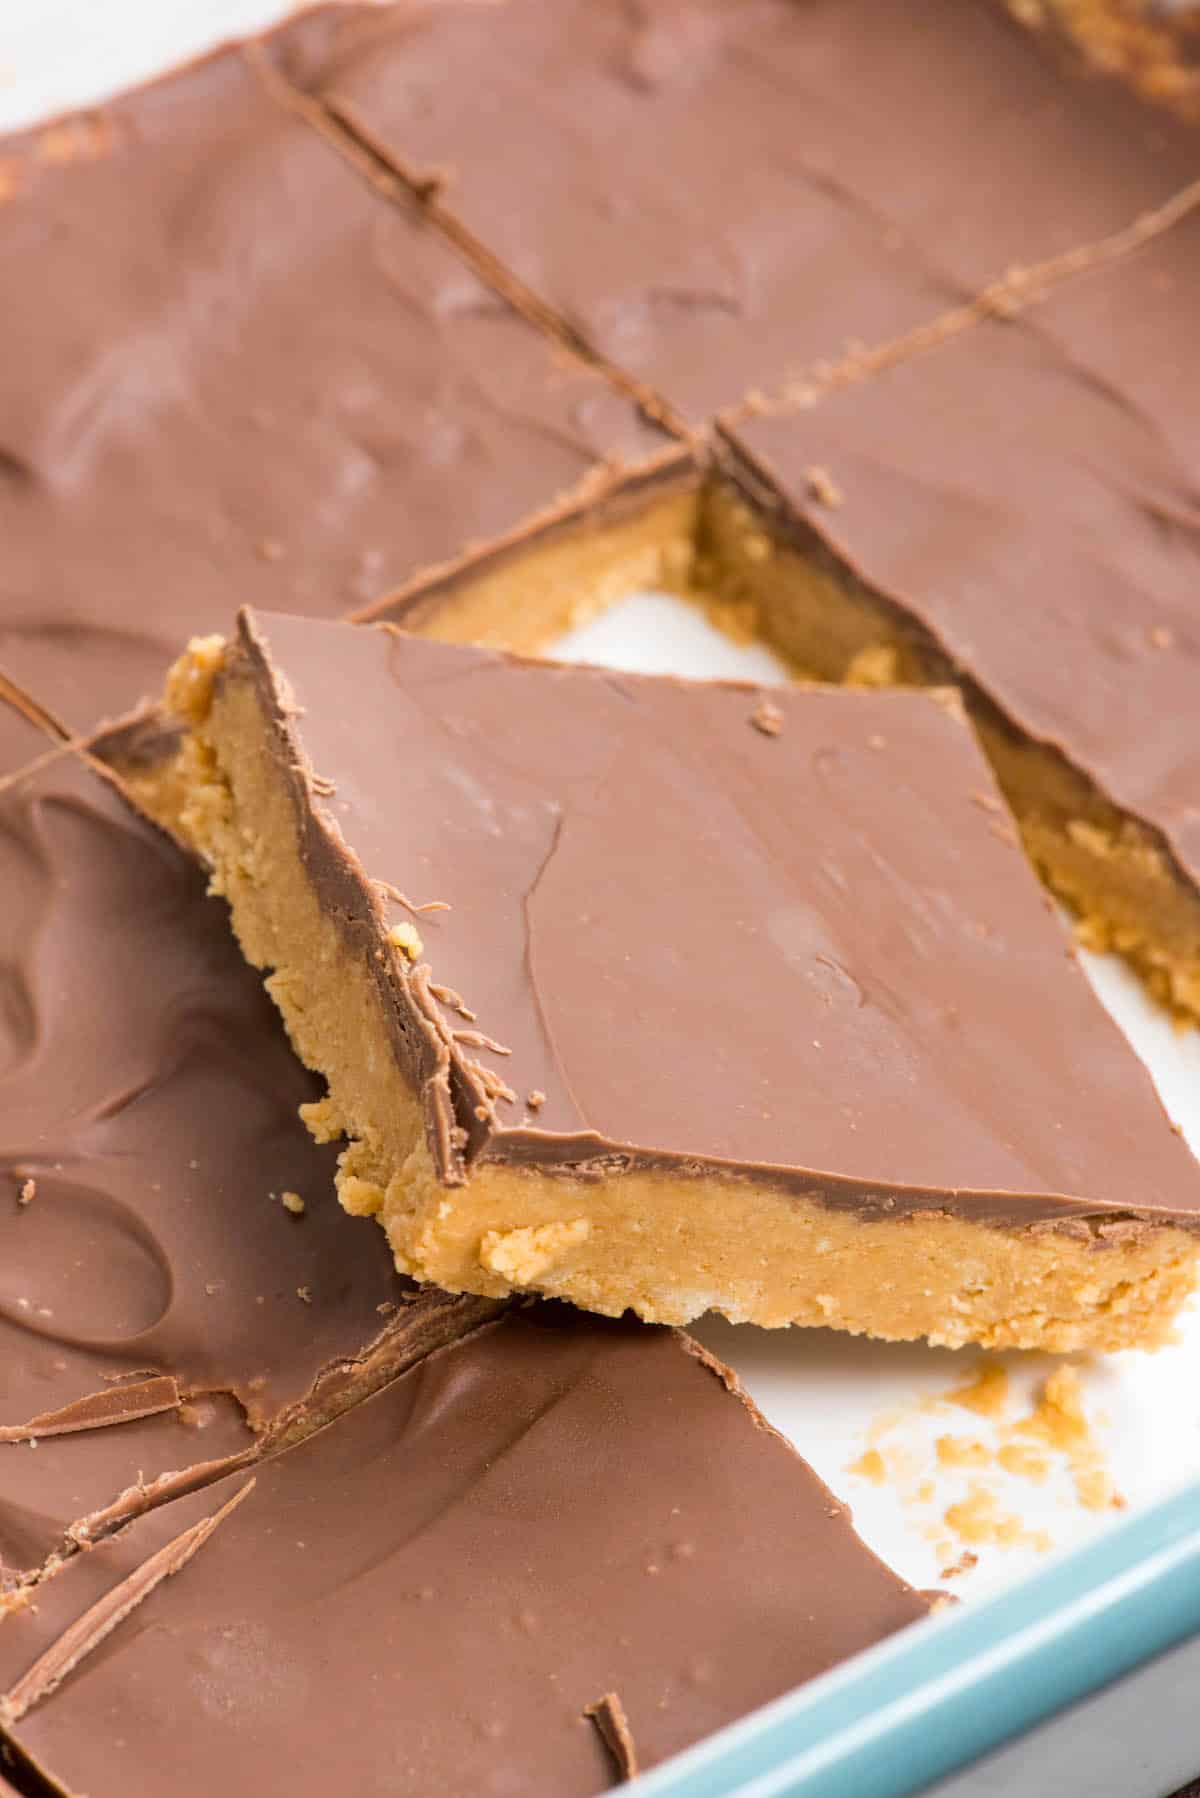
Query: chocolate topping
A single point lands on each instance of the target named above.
(243, 369)
(999, 480)
(428, 1595)
(148, 1091)
(652, 907)
(1130, 329)
(24, 732)
(716, 195)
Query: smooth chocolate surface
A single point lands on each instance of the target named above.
(657, 910)
(1039, 524)
(243, 369)
(23, 736)
(148, 1126)
(427, 1596)
(717, 194)
(1130, 328)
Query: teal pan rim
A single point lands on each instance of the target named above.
(934, 1698)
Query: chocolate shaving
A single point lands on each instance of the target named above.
(88, 1631)
(393, 892)
(454, 1000)
(98, 1410)
(608, 1714)
(148, 1495)
(475, 1039)
(493, 1086)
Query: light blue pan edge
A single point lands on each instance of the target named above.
(943, 1692)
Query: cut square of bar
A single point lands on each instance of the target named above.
(176, 1284)
(667, 995)
(557, 1520)
(757, 187)
(185, 416)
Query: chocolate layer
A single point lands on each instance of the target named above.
(24, 733)
(427, 1596)
(650, 906)
(149, 1129)
(244, 369)
(1130, 328)
(1033, 520)
(716, 195)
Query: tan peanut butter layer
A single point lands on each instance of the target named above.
(437, 1593)
(668, 995)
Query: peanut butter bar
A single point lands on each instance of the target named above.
(675, 996)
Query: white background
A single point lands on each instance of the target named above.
(823, 1390)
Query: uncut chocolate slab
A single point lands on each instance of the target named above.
(716, 195)
(155, 1294)
(715, 1002)
(244, 368)
(428, 1595)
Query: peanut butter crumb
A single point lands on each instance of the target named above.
(1059, 1419)
(522, 1256)
(28, 1193)
(293, 1202)
(877, 665)
(190, 679)
(408, 938)
(1096, 1491)
(361, 1198)
(963, 1451)
(978, 1519)
(1023, 1459)
(304, 1294)
(823, 487)
(986, 1394)
(767, 718)
(322, 1119)
(869, 1466)
(963, 1564)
